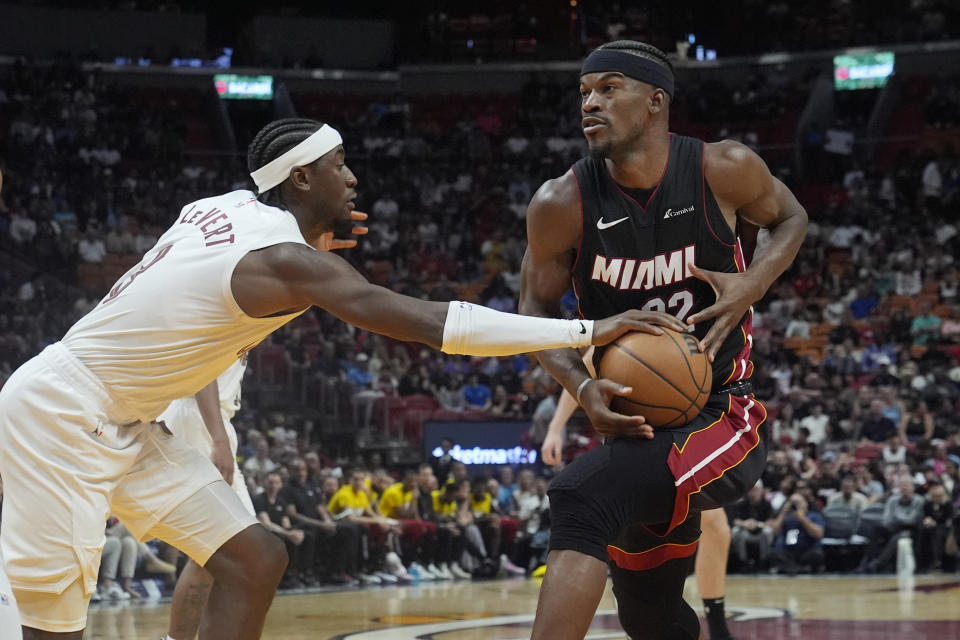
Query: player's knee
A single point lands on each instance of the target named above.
(274, 557)
(254, 557)
(264, 567)
(714, 523)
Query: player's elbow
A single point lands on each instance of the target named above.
(529, 305)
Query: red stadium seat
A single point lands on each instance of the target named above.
(868, 451)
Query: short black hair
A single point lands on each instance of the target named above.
(272, 141)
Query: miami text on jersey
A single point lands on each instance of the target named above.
(629, 273)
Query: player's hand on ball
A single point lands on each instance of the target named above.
(552, 449)
(595, 400)
(224, 461)
(735, 293)
(609, 329)
(328, 243)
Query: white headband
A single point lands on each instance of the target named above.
(325, 140)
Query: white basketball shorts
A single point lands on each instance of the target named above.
(183, 418)
(67, 465)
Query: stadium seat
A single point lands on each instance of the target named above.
(419, 409)
(871, 520)
(867, 451)
(841, 524)
(900, 302)
(842, 545)
(941, 310)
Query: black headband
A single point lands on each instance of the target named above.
(630, 64)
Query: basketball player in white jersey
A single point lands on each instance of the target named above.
(78, 436)
(9, 618)
(204, 422)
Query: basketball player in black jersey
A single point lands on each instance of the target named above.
(648, 221)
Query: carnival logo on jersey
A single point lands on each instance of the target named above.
(659, 271)
(673, 213)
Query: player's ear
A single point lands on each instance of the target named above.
(299, 177)
(657, 101)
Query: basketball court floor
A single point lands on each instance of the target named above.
(760, 608)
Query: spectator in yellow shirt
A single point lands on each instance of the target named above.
(418, 538)
(352, 501)
(495, 528)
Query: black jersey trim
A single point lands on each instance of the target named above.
(703, 189)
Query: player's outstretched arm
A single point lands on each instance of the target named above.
(741, 182)
(289, 277)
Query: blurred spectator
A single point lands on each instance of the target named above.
(498, 531)
(874, 426)
(925, 326)
(917, 422)
(91, 248)
(894, 451)
(508, 489)
(442, 463)
(798, 528)
(352, 501)
(271, 510)
(817, 424)
(418, 536)
(450, 542)
(849, 497)
(533, 508)
(260, 465)
(476, 394)
(902, 517)
(338, 543)
(938, 516)
(752, 534)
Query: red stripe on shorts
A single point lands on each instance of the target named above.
(643, 560)
(712, 451)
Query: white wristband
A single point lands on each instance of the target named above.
(475, 330)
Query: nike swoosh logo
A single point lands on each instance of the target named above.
(583, 329)
(606, 225)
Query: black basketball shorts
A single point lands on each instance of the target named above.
(636, 501)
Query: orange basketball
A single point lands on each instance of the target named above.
(671, 379)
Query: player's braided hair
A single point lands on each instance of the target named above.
(641, 49)
(274, 140)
